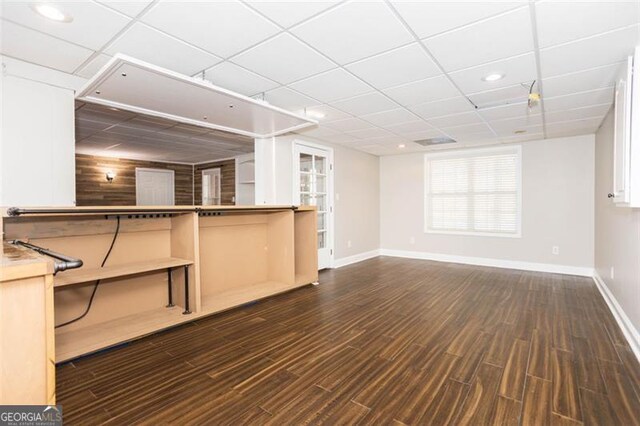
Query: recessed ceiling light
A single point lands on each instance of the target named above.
(401, 145)
(493, 77)
(51, 12)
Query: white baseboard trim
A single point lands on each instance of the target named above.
(339, 263)
(629, 331)
(496, 263)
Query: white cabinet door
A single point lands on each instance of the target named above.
(622, 135)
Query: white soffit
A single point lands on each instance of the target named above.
(133, 85)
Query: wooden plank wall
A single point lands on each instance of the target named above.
(228, 184)
(92, 188)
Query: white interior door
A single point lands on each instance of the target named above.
(154, 187)
(211, 187)
(314, 187)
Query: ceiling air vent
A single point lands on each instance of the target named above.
(435, 141)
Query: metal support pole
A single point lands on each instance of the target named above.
(170, 288)
(186, 290)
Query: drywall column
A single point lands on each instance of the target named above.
(274, 171)
(37, 150)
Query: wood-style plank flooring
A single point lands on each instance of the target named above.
(385, 341)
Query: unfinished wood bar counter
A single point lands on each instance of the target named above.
(27, 361)
(233, 254)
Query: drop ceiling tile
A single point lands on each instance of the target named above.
(32, 46)
(428, 90)
(90, 125)
(443, 107)
(130, 132)
(152, 124)
(283, 59)
(509, 111)
(354, 31)
(578, 100)
(102, 114)
(475, 139)
(91, 68)
(510, 94)
(93, 25)
(590, 52)
(496, 38)
(237, 79)
(594, 111)
(561, 21)
(147, 44)
(129, 8)
(428, 18)
(516, 70)
(386, 118)
(365, 104)
(537, 135)
(382, 140)
(531, 123)
(341, 138)
(223, 28)
(288, 13)
(458, 132)
(323, 113)
(320, 132)
(347, 124)
(455, 120)
(371, 132)
(410, 127)
(424, 134)
(331, 86)
(594, 78)
(574, 127)
(399, 66)
(288, 99)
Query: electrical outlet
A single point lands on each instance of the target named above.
(555, 250)
(349, 244)
(612, 273)
(412, 240)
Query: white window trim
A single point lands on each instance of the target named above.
(472, 153)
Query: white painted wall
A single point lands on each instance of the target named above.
(557, 206)
(356, 184)
(617, 233)
(37, 150)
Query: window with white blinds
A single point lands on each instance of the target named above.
(474, 192)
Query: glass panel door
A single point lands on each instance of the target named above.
(313, 190)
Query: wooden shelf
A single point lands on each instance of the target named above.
(72, 344)
(236, 297)
(96, 337)
(84, 275)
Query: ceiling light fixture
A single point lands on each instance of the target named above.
(495, 76)
(51, 12)
(401, 145)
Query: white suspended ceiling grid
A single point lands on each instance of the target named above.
(383, 73)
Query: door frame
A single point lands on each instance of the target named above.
(295, 190)
(150, 169)
(219, 169)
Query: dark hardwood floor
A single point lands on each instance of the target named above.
(385, 341)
